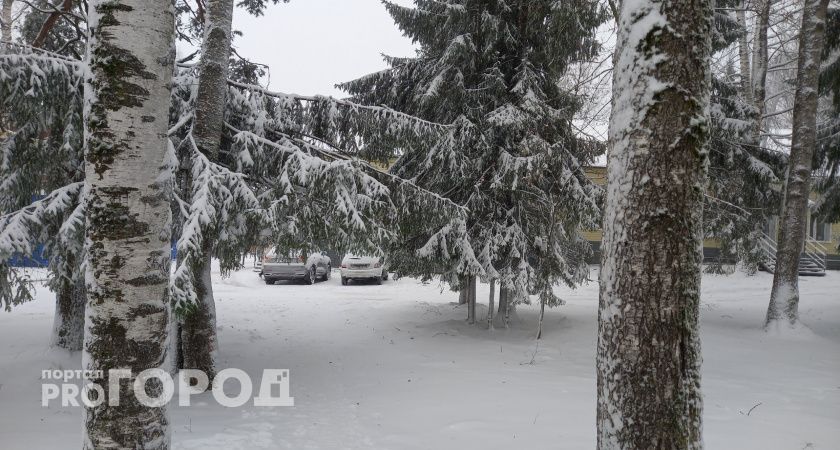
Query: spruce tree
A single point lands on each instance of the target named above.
(490, 69)
(827, 158)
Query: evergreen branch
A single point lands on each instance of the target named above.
(382, 110)
(338, 154)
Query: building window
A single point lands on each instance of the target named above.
(819, 230)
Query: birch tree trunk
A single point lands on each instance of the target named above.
(648, 355)
(744, 54)
(6, 17)
(198, 331)
(131, 58)
(784, 297)
(69, 320)
(759, 66)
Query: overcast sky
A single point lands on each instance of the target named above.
(310, 45)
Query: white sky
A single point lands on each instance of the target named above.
(310, 45)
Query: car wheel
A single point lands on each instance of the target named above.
(379, 280)
(344, 281)
(268, 281)
(311, 278)
(328, 273)
(385, 275)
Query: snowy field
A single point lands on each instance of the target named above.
(396, 367)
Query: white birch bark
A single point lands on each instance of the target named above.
(744, 53)
(198, 332)
(6, 17)
(784, 297)
(131, 58)
(648, 354)
(758, 77)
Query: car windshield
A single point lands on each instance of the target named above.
(291, 256)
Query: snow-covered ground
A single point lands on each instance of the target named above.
(396, 367)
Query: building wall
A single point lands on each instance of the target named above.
(711, 247)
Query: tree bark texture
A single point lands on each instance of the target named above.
(69, 320)
(131, 58)
(471, 297)
(49, 24)
(744, 54)
(759, 66)
(6, 17)
(198, 330)
(491, 304)
(648, 353)
(784, 297)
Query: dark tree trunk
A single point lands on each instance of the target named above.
(49, 24)
(784, 298)
(542, 316)
(490, 304)
(471, 300)
(198, 329)
(648, 354)
(69, 320)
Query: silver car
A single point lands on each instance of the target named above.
(362, 268)
(296, 265)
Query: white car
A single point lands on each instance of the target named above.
(296, 265)
(362, 268)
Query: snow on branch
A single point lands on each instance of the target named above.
(380, 112)
(218, 202)
(56, 222)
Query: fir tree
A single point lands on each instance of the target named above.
(827, 158)
(490, 69)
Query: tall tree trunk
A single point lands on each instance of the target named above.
(759, 66)
(648, 355)
(464, 293)
(471, 300)
(542, 316)
(490, 304)
(69, 319)
(744, 54)
(198, 331)
(131, 59)
(6, 17)
(503, 314)
(784, 298)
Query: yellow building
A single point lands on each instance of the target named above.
(823, 237)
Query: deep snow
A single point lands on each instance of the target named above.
(396, 367)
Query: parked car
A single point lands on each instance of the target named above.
(296, 265)
(362, 268)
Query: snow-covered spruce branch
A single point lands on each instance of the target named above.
(218, 201)
(20, 230)
(57, 222)
(382, 112)
(334, 153)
